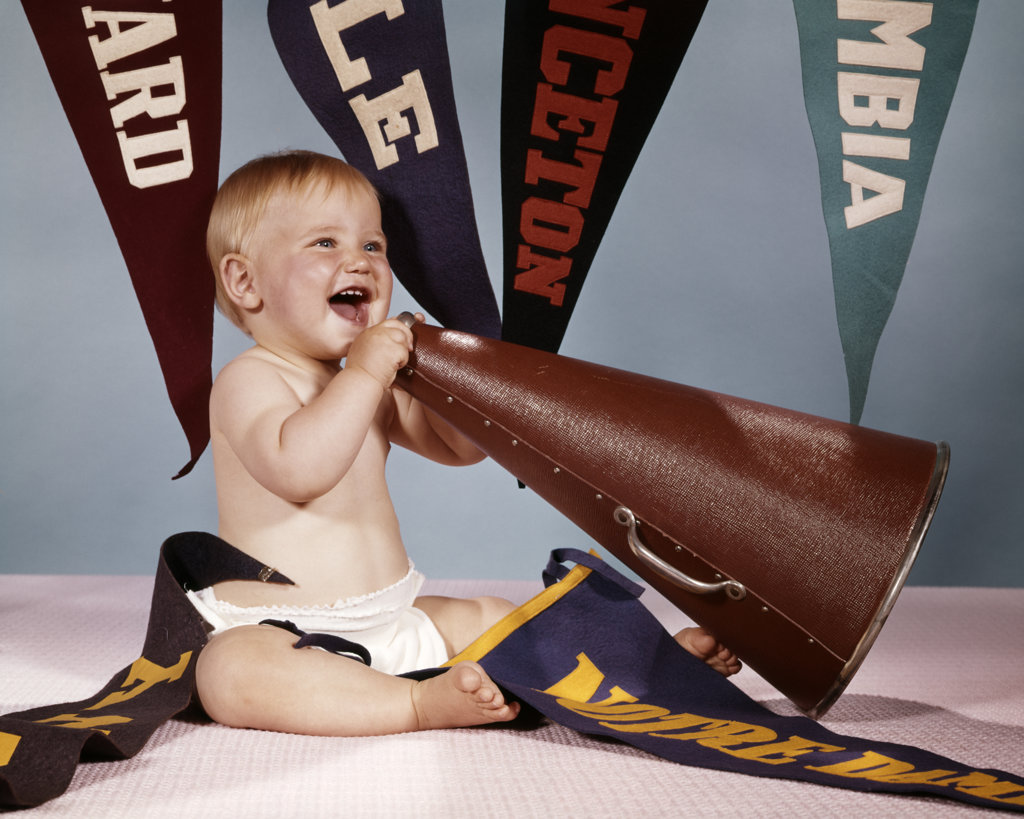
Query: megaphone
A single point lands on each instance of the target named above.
(787, 535)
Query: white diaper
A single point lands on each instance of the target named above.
(399, 636)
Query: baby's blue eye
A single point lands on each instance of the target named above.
(324, 243)
(371, 247)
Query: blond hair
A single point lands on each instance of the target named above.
(243, 197)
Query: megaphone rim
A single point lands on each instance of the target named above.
(914, 542)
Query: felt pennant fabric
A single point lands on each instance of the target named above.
(587, 654)
(582, 84)
(40, 748)
(878, 80)
(377, 77)
(141, 90)
(584, 652)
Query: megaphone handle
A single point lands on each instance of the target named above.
(625, 517)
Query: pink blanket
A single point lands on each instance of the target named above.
(947, 674)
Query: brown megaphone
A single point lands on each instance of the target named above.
(787, 535)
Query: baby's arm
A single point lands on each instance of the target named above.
(301, 450)
(417, 428)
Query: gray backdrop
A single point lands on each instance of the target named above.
(714, 272)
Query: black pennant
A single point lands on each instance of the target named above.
(583, 81)
(632, 681)
(41, 748)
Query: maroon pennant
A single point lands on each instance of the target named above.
(141, 88)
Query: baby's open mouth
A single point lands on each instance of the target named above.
(351, 303)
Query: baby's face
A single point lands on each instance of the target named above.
(321, 270)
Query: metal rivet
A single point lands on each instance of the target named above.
(557, 470)
(487, 423)
(449, 399)
(515, 442)
(764, 609)
(599, 496)
(810, 641)
(679, 548)
(718, 576)
(409, 371)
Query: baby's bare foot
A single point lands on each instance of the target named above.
(703, 645)
(462, 696)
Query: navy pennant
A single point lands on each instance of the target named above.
(584, 652)
(141, 90)
(376, 75)
(878, 82)
(587, 654)
(582, 83)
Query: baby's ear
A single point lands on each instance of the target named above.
(239, 283)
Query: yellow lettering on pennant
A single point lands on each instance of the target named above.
(142, 676)
(622, 712)
(879, 768)
(609, 711)
(668, 722)
(576, 689)
(780, 753)
(986, 786)
(78, 721)
(580, 684)
(8, 742)
(720, 734)
(715, 733)
(869, 765)
(916, 777)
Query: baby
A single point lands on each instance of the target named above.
(299, 446)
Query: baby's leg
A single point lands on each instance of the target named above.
(703, 645)
(462, 620)
(252, 677)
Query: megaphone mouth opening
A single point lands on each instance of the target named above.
(914, 542)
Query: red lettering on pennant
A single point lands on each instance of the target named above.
(542, 274)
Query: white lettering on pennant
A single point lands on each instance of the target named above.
(878, 102)
(388, 109)
(157, 92)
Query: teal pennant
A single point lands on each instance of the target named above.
(878, 78)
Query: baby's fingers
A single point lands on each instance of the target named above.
(398, 332)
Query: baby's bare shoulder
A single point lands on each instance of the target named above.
(252, 378)
(245, 365)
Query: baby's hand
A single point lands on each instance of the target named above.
(382, 350)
